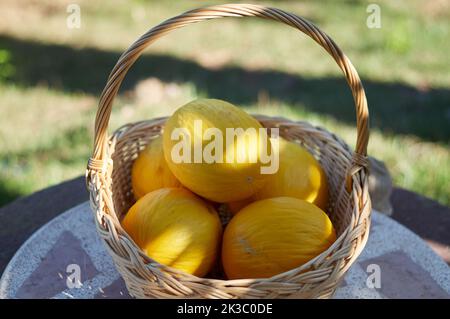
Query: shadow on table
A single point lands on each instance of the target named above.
(427, 218)
(7, 194)
(27, 214)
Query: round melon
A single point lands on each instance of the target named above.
(150, 171)
(236, 206)
(209, 162)
(176, 228)
(274, 235)
(299, 175)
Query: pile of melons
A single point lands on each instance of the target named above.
(277, 221)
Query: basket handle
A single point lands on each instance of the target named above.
(128, 58)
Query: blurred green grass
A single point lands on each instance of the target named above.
(51, 77)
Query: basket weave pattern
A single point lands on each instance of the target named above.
(109, 182)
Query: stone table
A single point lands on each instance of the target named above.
(406, 265)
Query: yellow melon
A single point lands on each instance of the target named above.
(150, 171)
(299, 175)
(274, 235)
(236, 206)
(221, 172)
(176, 228)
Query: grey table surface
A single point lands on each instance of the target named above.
(396, 263)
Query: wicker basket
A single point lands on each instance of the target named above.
(109, 183)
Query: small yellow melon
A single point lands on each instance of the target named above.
(212, 164)
(236, 206)
(274, 235)
(150, 171)
(299, 175)
(176, 228)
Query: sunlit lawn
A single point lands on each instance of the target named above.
(51, 77)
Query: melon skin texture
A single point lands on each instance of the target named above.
(299, 175)
(274, 235)
(150, 170)
(176, 228)
(218, 182)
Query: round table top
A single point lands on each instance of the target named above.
(396, 263)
